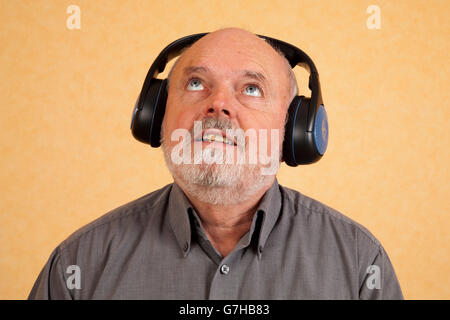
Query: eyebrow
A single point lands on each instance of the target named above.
(245, 73)
(254, 75)
(192, 69)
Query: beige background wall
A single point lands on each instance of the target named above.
(67, 154)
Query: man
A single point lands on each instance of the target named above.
(222, 230)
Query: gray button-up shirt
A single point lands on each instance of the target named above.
(156, 248)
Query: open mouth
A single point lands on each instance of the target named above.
(216, 136)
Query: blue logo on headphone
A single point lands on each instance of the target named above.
(321, 130)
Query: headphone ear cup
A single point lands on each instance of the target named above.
(289, 138)
(301, 146)
(149, 113)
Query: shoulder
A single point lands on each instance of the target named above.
(322, 218)
(134, 214)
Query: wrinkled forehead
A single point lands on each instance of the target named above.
(235, 51)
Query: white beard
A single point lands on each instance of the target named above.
(217, 184)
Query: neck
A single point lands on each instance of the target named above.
(225, 224)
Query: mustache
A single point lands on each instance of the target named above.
(216, 123)
(208, 123)
(225, 125)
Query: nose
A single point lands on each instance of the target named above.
(221, 103)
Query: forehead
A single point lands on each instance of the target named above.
(233, 53)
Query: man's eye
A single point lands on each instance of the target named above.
(253, 91)
(195, 85)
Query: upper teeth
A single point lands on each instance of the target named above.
(217, 138)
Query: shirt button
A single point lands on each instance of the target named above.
(224, 269)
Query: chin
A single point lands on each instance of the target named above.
(218, 184)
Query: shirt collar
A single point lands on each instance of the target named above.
(182, 213)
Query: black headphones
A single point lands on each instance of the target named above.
(306, 131)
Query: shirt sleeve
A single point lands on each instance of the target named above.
(377, 276)
(51, 283)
